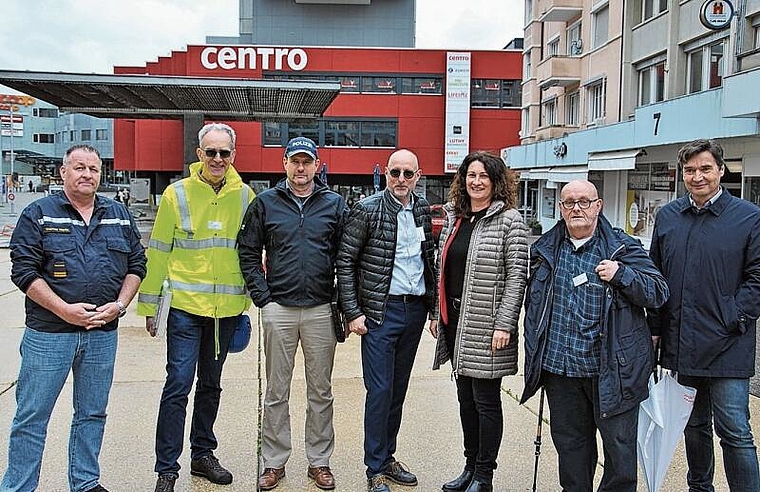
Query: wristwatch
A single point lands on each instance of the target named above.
(122, 308)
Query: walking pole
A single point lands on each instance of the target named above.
(537, 442)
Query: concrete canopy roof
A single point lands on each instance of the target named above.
(173, 97)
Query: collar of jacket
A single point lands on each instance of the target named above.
(493, 209)
(393, 203)
(548, 245)
(231, 176)
(717, 207)
(283, 187)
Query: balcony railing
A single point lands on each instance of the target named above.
(558, 71)
(559, 10)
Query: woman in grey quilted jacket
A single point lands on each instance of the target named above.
(482, 271)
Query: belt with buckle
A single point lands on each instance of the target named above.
(405, 298)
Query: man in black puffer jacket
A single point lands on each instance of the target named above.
(387, 291)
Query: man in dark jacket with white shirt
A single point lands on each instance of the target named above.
(586, 339)
(707, 245)
(387, 291)
(299, 223)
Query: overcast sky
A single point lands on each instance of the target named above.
(91, 36)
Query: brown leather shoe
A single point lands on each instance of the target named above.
(271, 478)
(322, 477)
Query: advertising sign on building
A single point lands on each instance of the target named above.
(457, 118)
(16, 126)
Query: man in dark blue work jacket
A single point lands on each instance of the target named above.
(78, 258)
(707, 245)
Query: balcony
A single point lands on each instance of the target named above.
(559, 10)
(558, 71)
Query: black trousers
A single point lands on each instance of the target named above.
(480, 413)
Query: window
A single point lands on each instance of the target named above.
(525, 123)
(650, 8)
(651, 83)
(378, 134)
(334, 133)
(528, 11)
(495, 93)
(272, 133)
(86, 135)
(101, 134)
(421, 85)
(72, 135)
(550, 112)
(526, 66)
(350, 84)
(44, 138)
(706, 67)
(574, 43)
(308, 129)
(572, 108)
(601, 19)
(379, 84)
(552, 47)
(45, 112)
(342, 133)
(756, 39)
(596, 102)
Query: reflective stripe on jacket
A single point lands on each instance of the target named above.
(194, 245)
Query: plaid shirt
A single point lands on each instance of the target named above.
(574, 344)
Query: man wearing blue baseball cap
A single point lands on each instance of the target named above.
(299, 222)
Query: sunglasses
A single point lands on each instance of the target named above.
(408, 174)
(223, 153)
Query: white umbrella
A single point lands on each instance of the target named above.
(662, 419)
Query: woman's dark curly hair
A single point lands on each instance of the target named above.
(504, 182)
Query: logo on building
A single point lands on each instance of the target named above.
(247, 57)
(716, 14)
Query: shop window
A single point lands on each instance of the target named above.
(349, 84)
(45, 112)
(650, 186)
(495, 93)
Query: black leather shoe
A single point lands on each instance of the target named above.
(395, 472)
(460, 483)
(478, 486)
(165, 483)
(209, 468)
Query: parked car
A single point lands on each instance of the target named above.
(438, 216)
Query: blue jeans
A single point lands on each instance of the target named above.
(190, 343)
(575, 418)
(46, 359)
(388, 352)
(726, 402)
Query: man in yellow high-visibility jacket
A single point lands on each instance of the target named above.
(193, 247)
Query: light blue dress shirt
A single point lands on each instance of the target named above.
(408, 268)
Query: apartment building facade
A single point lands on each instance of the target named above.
(666, 78)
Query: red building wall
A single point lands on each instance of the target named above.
(156, 145)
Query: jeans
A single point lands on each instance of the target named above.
(46, 359)
(482, 424)
(575, 418)
(388, 352)
(726, 402)
(283, 328)
(190, 343)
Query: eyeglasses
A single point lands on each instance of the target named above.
(583, 203)
(408, 174)
(223, 153)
